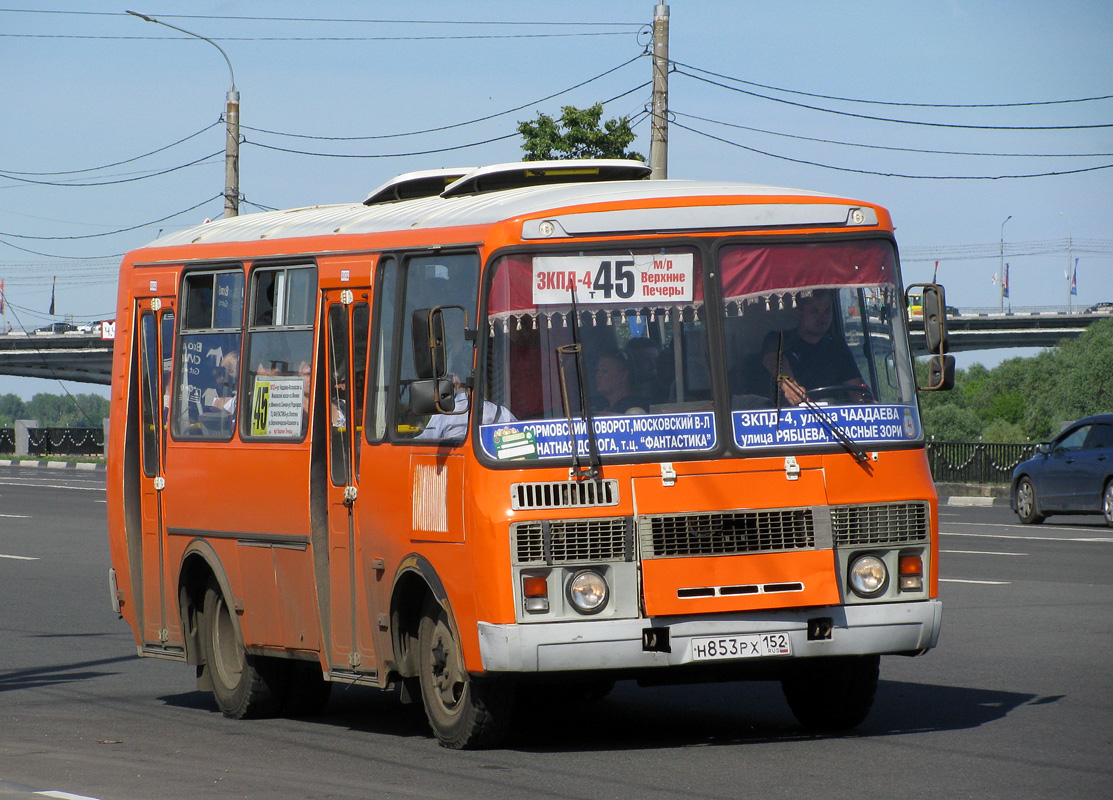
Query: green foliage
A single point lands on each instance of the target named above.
(577, 135)
(1025, 399)
(54, 410)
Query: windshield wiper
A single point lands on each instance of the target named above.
(594, 469)
(833, 428)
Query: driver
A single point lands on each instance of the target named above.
(811, 355)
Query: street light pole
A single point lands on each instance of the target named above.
(232, 122)
(1070, 236)
(1001, 267)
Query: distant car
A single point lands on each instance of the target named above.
(1073, 474)
(952, 311)
(56, 327)
(1100, 308)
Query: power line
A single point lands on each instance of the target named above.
(892, 174)
(488, 36)
(456, 124)
(112, 233)
(202, 160)
(889, 147)
(896, 120)
(891, 102)
(241, 18)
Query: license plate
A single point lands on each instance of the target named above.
(714, 648)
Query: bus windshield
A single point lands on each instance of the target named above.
(812, 339)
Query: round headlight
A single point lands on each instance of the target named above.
(587, 591)
(868, 576)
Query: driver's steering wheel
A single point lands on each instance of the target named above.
(841, 390)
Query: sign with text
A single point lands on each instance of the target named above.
(276, 407)
(632, 435)
(637, 279)
(862, 424)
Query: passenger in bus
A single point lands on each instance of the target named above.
(614, 392)
(811, 356)
(222, 396)
(642, 354)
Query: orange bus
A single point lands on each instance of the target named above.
(530, 428)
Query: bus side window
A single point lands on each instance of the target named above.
(207, 390)
(279, 352)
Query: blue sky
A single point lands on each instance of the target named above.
(82, 91)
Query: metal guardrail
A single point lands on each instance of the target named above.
(975, 462)
(56, 441)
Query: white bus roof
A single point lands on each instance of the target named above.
(486, 208)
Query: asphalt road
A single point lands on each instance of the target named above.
(1016, 702)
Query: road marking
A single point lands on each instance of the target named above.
(982, 553)
(18, 558)
(1018, 526)
(16, 516)
(52, 486)
(986, 583)
(65, 795)
(1032, 538)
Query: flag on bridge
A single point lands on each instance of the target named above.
(1, 296)
(1074, 279)
(1004, 283)
(52, 285)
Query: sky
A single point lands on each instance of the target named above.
(112, 126)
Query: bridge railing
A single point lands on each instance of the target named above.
(975, 462)
(56, 441)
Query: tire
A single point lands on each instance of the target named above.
(464, 712)
(1026, 503)
(1107, 504)
(244, 686)
(831, 694)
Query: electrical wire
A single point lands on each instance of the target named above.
(889, 147)
(239, 18)
(893, 174)
(891, 102)
(112, 233)
(196, 162)
(894, 120)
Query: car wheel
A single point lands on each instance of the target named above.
(1026, 503)
(1107, 504)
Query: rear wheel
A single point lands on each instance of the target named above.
(1027, 504)
(463, 711)
(1107, 503)
(244, 685)
(831, 694)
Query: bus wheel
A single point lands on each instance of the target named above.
(464, 712)
(244, 686)
(831, 694)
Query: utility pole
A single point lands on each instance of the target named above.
(1001, 268)
(659, 119)
(231, 120)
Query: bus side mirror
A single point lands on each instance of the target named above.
(941, 374)
(934, 307)
(428, 341)
(432, 396)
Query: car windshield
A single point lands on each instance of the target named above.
(809, 340)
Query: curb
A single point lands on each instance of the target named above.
(974, 501)
(84, 466)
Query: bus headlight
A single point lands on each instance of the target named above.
(588, 592)
(868, 576)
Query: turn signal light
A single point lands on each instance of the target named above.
(911, 570)
(535, 594)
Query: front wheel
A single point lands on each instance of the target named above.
(831, 694)
(244, 686)
(1107, 504)
(1027, 504)
(464, 712)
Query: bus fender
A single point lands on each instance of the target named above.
(199, 561)
(414, 579)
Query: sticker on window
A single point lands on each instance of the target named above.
(613, 279)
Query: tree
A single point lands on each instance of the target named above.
(577, 135)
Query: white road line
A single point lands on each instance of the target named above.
(18, 558)
(15, 516)
(982, 553)
(1031, 538)
(1018, 526)
(65, 795)
(52, 486)
(986, 583)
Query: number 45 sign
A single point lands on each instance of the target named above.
(613, 279)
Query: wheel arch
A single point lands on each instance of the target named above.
(200, 564)
(415, 580)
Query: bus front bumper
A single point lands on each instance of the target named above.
(904, 628)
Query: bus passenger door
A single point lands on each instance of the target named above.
(347, 318)
(156, 348)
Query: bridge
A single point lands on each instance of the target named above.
(85, 357)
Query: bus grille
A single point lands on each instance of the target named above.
(726, 533)
(563, 494)
(879, 524)
(568, 541)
